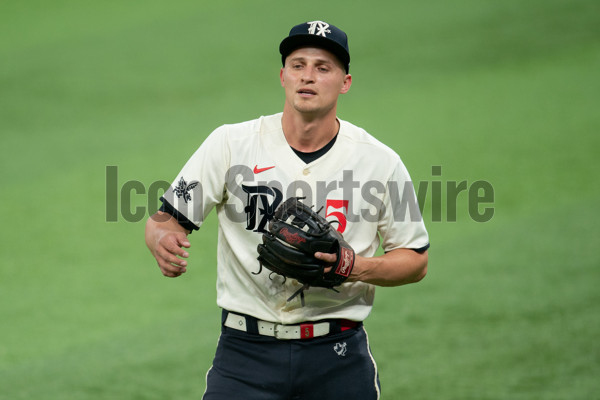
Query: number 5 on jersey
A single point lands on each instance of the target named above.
(337, 209)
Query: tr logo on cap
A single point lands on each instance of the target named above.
(317, 34)
(318, 28)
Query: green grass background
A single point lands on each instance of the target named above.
(501, 91)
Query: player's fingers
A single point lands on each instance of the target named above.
(170, 270)
(173, 245)
(169, 258)
(327, 257)
(171, 274)
(183, 241)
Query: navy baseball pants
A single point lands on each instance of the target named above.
(254, 367)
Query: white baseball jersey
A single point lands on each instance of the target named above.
(246, 170)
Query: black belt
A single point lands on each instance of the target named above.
(305, 330)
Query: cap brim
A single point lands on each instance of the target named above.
(291, 43)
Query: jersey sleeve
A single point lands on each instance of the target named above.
(201, 183)
(401, 224)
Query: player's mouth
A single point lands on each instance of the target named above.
(306, 92)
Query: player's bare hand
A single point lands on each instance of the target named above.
(167, 243)
(169, 254)
(329, 258)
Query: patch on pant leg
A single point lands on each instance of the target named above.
(340, 349)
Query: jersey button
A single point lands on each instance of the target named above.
(306, 171)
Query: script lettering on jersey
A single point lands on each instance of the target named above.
(260, 206)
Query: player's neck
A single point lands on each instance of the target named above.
(308, 133)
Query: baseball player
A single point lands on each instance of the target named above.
(274, 345)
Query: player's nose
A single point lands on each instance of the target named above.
(308, 74)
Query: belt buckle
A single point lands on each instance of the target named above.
(276, 331)
(280, 333)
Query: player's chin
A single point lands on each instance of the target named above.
(306, 107)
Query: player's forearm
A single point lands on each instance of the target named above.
(398, 267)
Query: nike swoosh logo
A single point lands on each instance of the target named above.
(259, 170)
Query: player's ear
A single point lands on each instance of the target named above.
(347, 84)
(281, 76)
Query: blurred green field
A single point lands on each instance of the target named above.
(505, 92)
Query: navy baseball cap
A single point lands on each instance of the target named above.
(317, 34)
